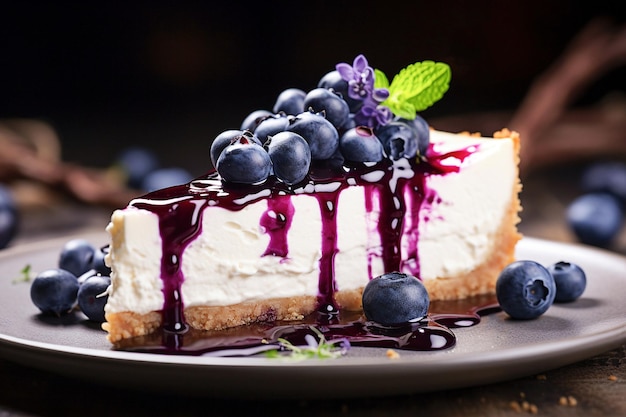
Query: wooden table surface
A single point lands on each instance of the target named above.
(592, 387)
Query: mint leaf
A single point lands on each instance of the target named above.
(380, 79)
(417, 87)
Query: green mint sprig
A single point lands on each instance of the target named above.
(415, 88)
(321, 349)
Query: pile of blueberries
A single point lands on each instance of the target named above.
(303, 127)
(597, 215)
(81, 279)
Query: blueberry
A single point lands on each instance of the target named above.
(253, 119)
(359, 144)
(399, 139)
(92, 297)
(54, 291)
(137, 162)
(326, 100)
(422, 130)
(290, 155)
(244, 161)
(525, 289)
(270, 126)
(76, 256)
(225, 138)
(570, 281)
(334, 80)
(609, 177)
(394, 299)
(319, 133)
(166, 177)
(595, 218)
(350, 123)
(9, 217)
(97, 263)
(290, 101)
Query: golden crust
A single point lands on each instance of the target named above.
(129, 324)
(481, 280)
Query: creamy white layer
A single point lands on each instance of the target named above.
(224, 266)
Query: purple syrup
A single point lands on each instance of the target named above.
(432, 333)
(276, 222)
(326, 283)
(180, 210)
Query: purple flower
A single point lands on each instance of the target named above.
(360, 77)
(373, 116)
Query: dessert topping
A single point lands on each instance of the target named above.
(349, 101)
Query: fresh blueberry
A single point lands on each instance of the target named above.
(399, 139)
(54, 291)
(166, 177)
(271, 125)
(244, 161)
(351, 123)
(359, 144)
(394, 299)
(253, 119)
(570, 281)
(290, 155)
(76, 256)
(609, 177)
(319, 133)
(326, 100)
(422, 129)
(595, 218)
(525, 289)
(225, 138)
(137, 162)
(97, 264)
(92, 297)
(9, 217)
(290, 101)
(334, 80)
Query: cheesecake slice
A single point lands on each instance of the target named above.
(212, 255)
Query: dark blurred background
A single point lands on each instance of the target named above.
(172, 75)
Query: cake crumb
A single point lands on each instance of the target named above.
(515, 406)
(569, 401)
(612, 378)
(525, 406)
(392, 354)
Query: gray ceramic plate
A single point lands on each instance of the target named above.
(497, 349)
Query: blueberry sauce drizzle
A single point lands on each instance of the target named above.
(398, 188)
(276, 222)
(432, 333)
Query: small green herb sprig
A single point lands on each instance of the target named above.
(415, 88)
(315, 349)
(25, 275)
